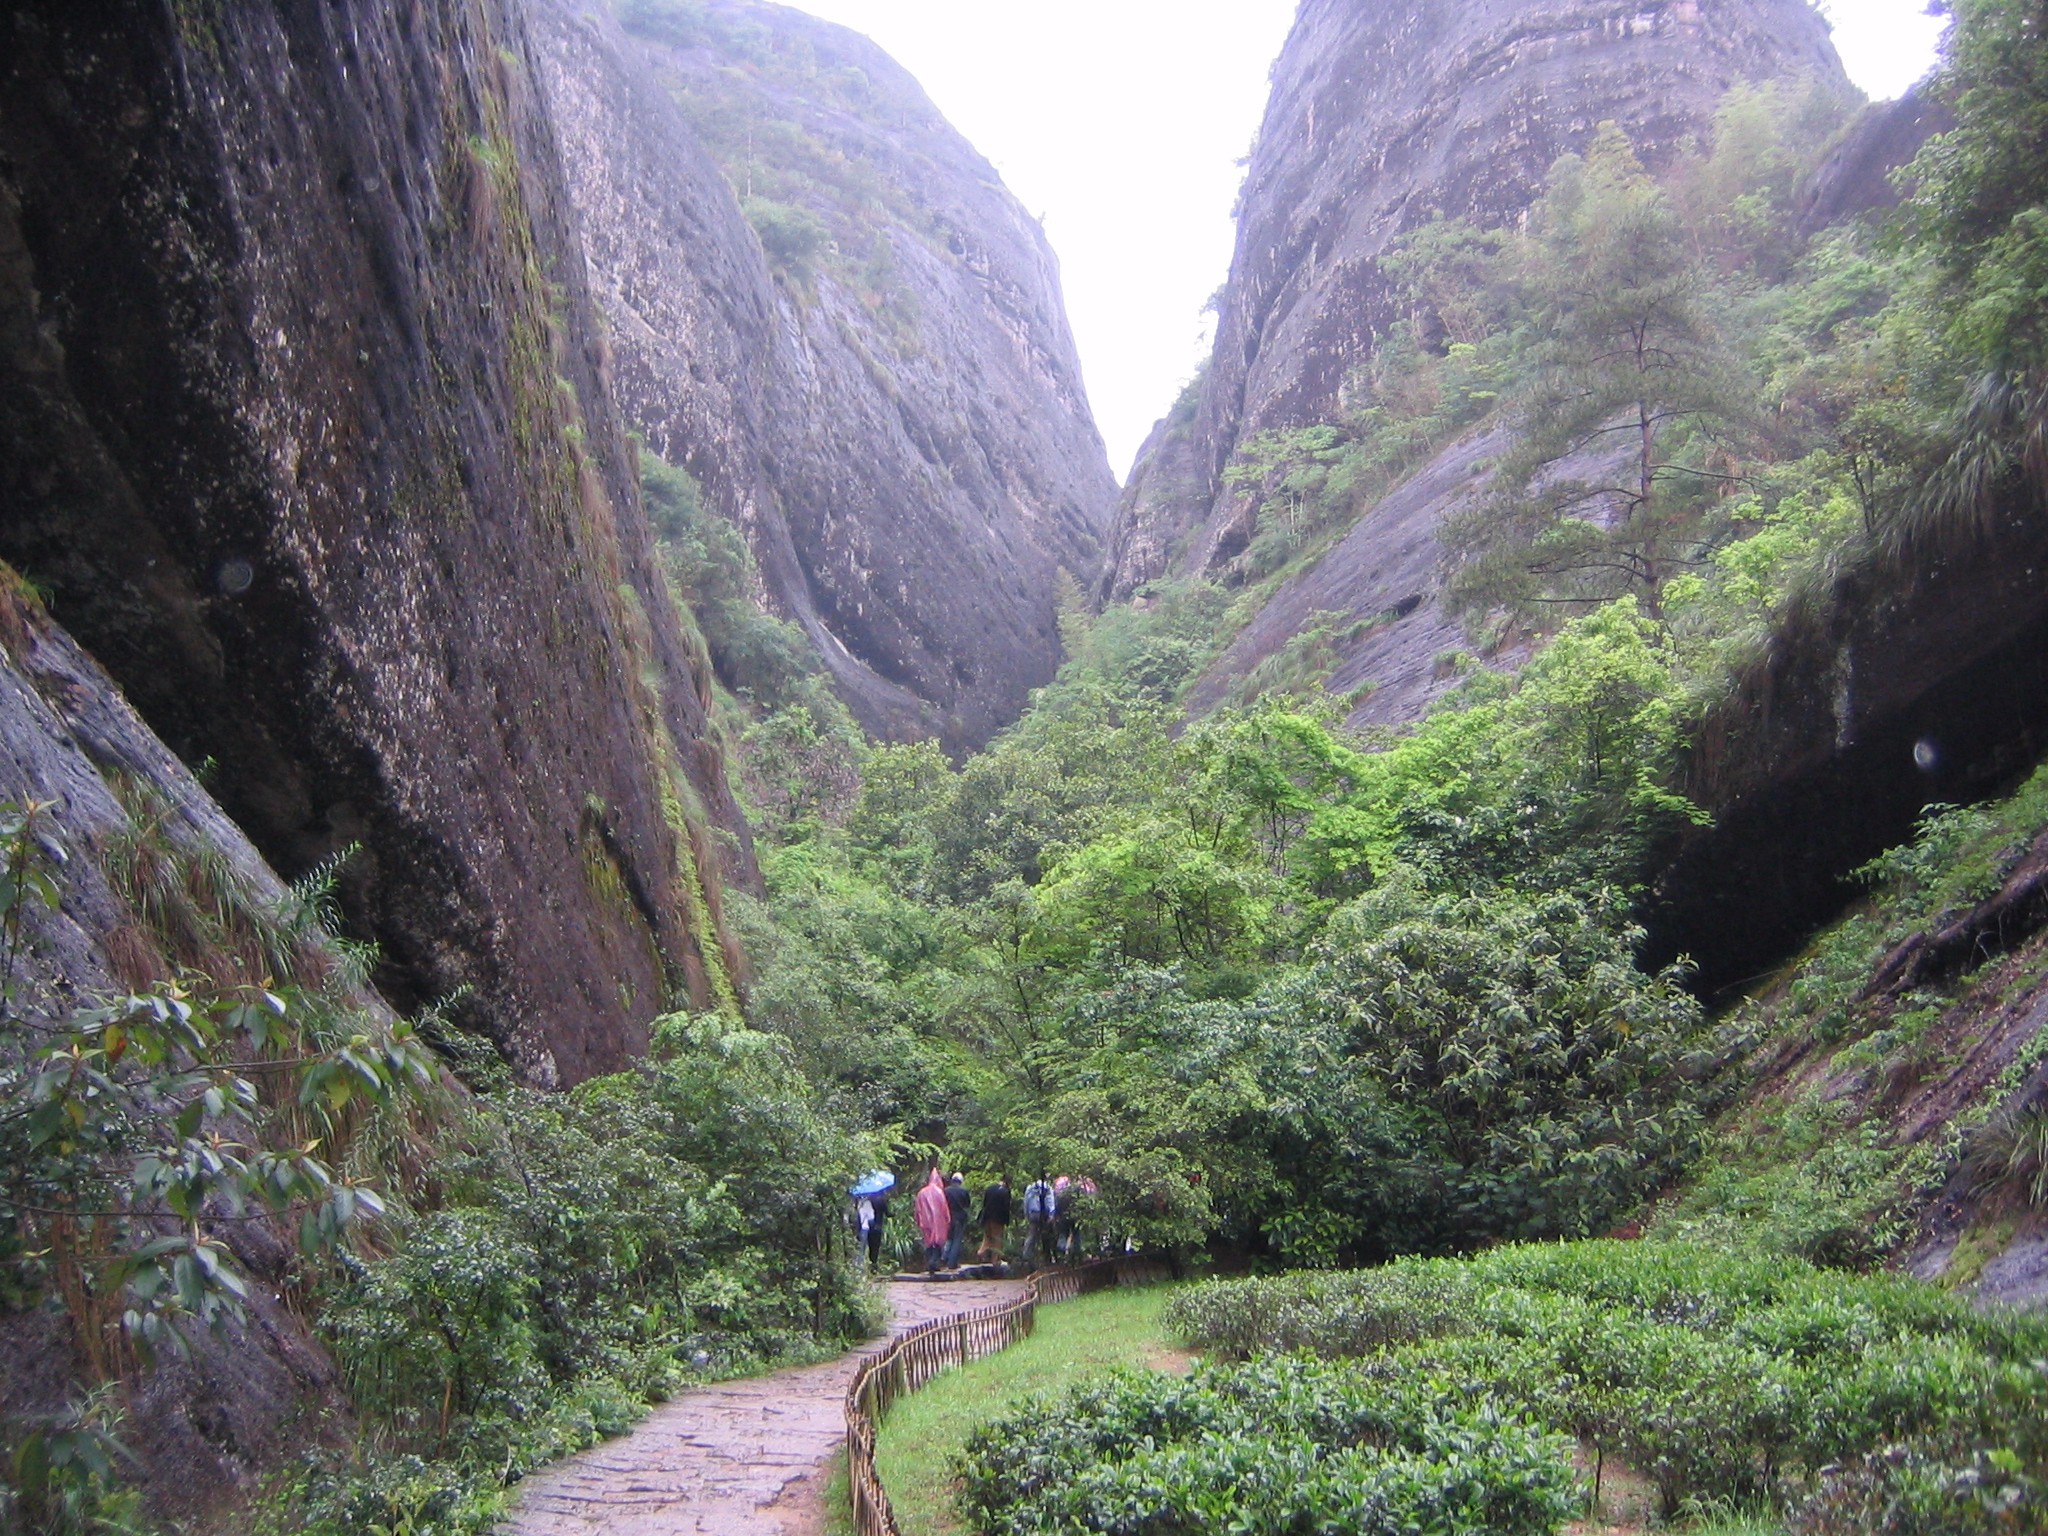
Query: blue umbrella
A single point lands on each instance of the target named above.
(880, 1182)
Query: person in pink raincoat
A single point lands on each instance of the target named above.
(934, 1220)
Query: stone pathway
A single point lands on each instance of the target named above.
(746, 1458)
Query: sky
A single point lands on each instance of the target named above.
(1123, 125)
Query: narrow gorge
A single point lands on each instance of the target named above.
(581, 709)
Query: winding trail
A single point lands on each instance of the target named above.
(744, 1458)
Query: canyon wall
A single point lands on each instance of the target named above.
(1382, 117)
(306, 433)
(827, 307)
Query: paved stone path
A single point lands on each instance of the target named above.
(745, 1458)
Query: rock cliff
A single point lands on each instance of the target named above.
(1856, 176)
(1891, 695)
(122, 819)
(1384, 116)
(828, 308)
(306, 431)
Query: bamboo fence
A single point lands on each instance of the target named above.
(917, 1356)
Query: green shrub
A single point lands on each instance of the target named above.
(1718, 1376)
(712, 571)
(448, 1318)
(1283, 1445)
(792, 238)
(593, 1251)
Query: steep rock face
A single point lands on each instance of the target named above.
(1856, 177)
(206, 1422)
(879, 386)
(1884, 702)
(1384, 116)
(305, 429)
(1381, 582)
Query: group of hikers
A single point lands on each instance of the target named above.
(946, 1218)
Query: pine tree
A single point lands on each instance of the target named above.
(1632, 396)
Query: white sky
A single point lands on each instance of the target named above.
(1121, 124)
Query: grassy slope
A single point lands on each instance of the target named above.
(1074, 1339)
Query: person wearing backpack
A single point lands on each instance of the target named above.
(1038, 1214)
(873, 1234)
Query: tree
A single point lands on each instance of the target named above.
(1632, 397)
(1980, 209)
(1548, 1076)
(135, 1129)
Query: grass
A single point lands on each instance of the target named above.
(838, 1497)
(1074, 1339)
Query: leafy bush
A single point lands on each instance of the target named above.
(1280, 1446)
(1546, 1077)
(590, 1252)
(130, 1124)
(791, 237)
(712, 570)
(1717, 1376)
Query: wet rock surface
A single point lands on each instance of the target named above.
(898, 420)
(305, 428)
(1387, 573)
(1858, 175)
(1890, 698)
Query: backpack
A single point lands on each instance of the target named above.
(1038, 1202)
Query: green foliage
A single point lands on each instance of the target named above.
(1809, 1186)
(1280, 1446)
(713, 574)
(1545, 1079)
(63, 1477)
(1979, 216)
(1814, 1171)
(1442, 367)
(591, 1252)
(1739, 198)
(768, 102)
(1719, 1377)
(130, 1127)
(1165, 962)
(690, 1207)
(1297, 671)
(799, 748)
(1290, 470)
(2011, 1152)
(791, 238)
(1631, 403)
(1980, 189)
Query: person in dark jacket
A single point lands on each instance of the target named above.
(961, 1204)
(879, 1205)
(995, 1219)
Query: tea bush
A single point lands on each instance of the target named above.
(1715, 1375)
(1281, 1445)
